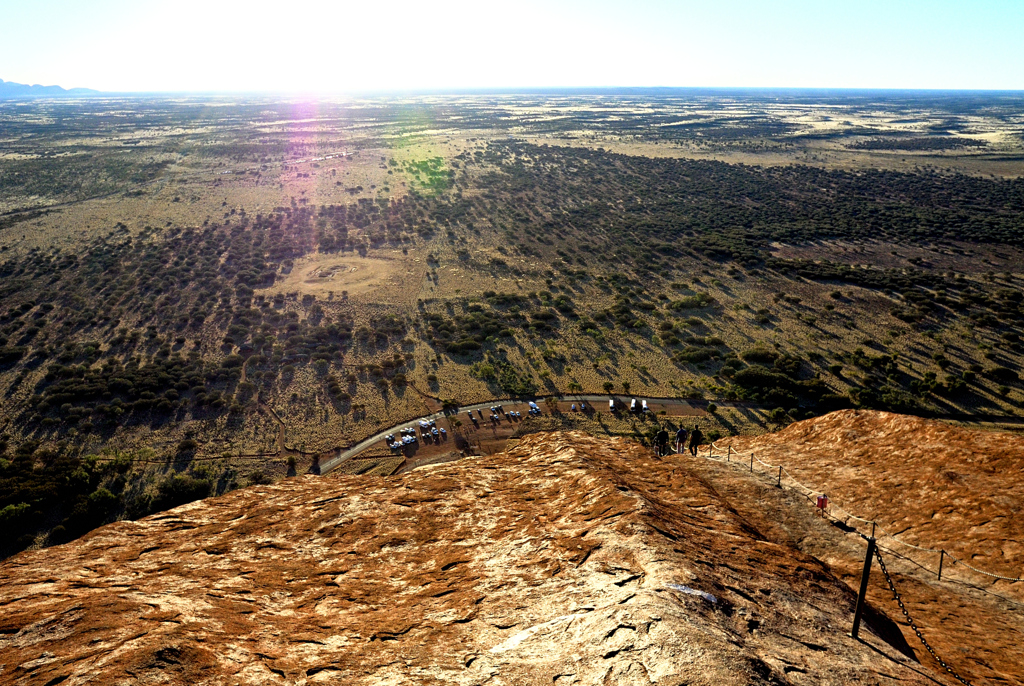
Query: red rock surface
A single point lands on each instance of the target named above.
(932, 484)
(562, 561)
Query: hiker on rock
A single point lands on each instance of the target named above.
(681, 435)
(661, 441)
(695, 440)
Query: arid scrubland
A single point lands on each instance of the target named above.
(185, 282)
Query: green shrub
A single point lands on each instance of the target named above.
(759, 355)
(760, 377)
(12, 516)
(187, 446)
(178, 489)
(1002, 374)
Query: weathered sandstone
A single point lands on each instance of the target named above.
(569, 559)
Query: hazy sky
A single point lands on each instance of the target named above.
(321, 46)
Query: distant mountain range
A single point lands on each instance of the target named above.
(9, 89)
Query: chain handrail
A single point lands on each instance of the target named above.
(911, 545)
(850, 515)
(958, 561)
(892, 587)
(881, 533)
(910, 620)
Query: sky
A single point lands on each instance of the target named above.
(318, 46)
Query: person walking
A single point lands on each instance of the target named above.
(681, 439)
(661, 440)
(695, 439)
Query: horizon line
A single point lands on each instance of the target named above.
(83, 93)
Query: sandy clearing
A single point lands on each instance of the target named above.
(322, 275)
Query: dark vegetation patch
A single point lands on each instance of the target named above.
(75, 177)
(465, 333)
(59, 494)
(507, 380)
(918, 144)
(671, 208)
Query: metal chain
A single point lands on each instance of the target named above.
(957, 560)
(850, 515)
(910, 621)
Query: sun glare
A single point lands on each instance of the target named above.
(330, 47)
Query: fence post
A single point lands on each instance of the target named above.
(751, 463)
(779, 484)
(942, 557)
(728, 455)
(863, 588)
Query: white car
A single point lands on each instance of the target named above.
(644, 403)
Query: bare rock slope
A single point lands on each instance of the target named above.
(568, 559)
(933, 486)
(931, 483)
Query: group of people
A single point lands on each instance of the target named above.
(695, 438)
